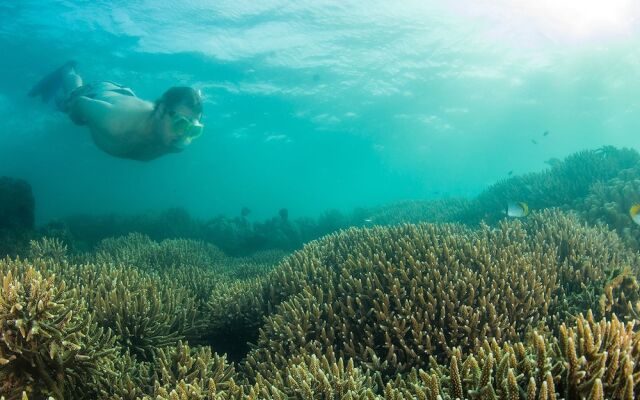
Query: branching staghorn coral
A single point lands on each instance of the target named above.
(408, 293)
(50, 345)
(256, 265)
(152, 294)
(492, 372)
(609, 202)
(165, 281)
(440, 210)
(141, 252)
(588, 359)
(236, 310)
(145, 312)
(392, 297)
(52, 249)
(193, 264)
(133, 249)
(565, 185)
(605, 351)
(414, 311)
(595, 267)
(148, 315)
(396, 313)
(185, 373)
(132, 379)
(315, 377)
(184, 274)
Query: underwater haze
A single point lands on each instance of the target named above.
(320, 104)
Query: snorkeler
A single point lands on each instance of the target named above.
(122, 124)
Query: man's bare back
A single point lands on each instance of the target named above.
(122, 124)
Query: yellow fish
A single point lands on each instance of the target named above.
(634, 211)
(517, 210)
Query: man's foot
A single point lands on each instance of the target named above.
(52, 83)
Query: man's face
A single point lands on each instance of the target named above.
(179, 126)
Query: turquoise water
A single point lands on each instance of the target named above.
(320, 105)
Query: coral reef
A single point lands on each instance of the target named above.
(152, 294)
(50, 344)
(313, 377)
(412, 311)
(390, 298)
(91, 229)
(565, 185)
(440, 210)
(145, 254)
(588, 359)
(538, 308)
(235, 236)
(189, 373)
(609, 202)
(52, 249)
(146, 313)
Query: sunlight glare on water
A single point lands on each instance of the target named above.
(551, 22)
(583, 18)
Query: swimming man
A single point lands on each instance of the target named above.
(122, 124)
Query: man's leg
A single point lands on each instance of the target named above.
(72, 81)
(58, 85)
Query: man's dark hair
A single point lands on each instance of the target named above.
(185, 95)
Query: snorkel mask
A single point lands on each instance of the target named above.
(185, 128)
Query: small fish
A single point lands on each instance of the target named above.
(534, 141)
(634, 211)
(553, 162)
(606, 151)
(517, 209)
(510, 173)
(245, 211)
(368, 220)
(545, 133)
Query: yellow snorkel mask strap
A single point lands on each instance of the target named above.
(196, 128)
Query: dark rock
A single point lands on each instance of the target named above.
(17, 204)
